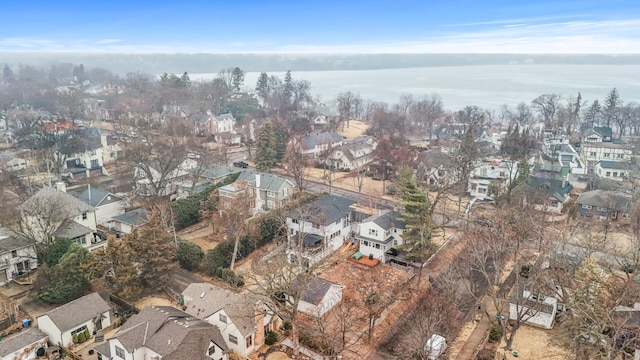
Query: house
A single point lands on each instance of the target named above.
(87, 159)
(324, 118)
(317, 229)
(27, 345)
(12, 163)
(613, 170)
(156, 178)
(597, 144)
(434, 169)
(106, 204)
(534, 309)
(491, 178)
(602, 204)
(379, 233)
(228, 194)
(320, 296)
(549, 187)
(316, 145)
(52, 213)
(111, 149)
(89, 312)
(167, 333)
(566, 155)
(446, 134)
(242, 319)
(272, 191)
(216, 174)
(352, 154)
(17, 255)
(130, 220)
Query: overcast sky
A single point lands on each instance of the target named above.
(328, 26)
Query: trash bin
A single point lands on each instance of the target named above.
(26, 323)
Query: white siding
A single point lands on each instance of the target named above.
(20, 354)
(104, 213)
(48, 327)
(227, 329)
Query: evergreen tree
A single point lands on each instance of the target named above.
(66, 280)
(266, 148)
(116, 266)
(184, 81)
(611, 107)
(262, 87)
(524, 172)
(593, 113)
(416, 213)
(237, 79)
(288, 86)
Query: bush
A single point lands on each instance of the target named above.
(271, 337)
(74, 337)
(190, 255)
(495, 333)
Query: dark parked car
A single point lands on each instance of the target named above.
(241, 164)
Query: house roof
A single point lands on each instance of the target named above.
(169, 332)
(68, 205)
(225, 116)
(95, 196)
(615, 165)
(316, 290)
(387, 220)
(216, 172)
(209, 299)
(312, 140)
(78, 311)
(557, 188)
(605, 199)
(10, 240)
(70, 229)
(603, 131)
(268, 182)
(324, 211)
(134, 217)
(23, 339)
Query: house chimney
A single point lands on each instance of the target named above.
(60, 186)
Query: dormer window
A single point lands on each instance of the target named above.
(84, 216)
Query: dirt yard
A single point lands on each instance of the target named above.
(154, 300)
(534, 343)
(201, 236)
(356, 128)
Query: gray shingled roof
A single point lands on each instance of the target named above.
(387, 220)
(605, 199)
(67, 204)
(169, 332)
(615, 165)
(17, 342)
(316, 290)
(134, 217)
(95, 196)
(78, 311)
(268, 182)
(310, 141)
(326, 210)
(10, 240)
(70, 229)
(240, 308)
(214, 172)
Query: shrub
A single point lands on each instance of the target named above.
(495, 333)
(189, 255)
(81, 337)
(271, 337)
(74, 337)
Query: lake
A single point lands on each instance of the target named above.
(488, 86)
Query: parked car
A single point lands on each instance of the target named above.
(241, 164)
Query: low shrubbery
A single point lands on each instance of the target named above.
(271, 337)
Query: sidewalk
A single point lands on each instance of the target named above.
(480, 333)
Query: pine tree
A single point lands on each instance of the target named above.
(237, 79)
(416, 213)
(288, 86)
(262, 87)
(266, 148)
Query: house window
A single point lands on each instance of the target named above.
(249, 340)
(81, 240)
(395, 242)
(345, 223)
(554, 203)
(212, 350)
(373, 232)
(233, 339)
(94, 163)
(271, 204)
(377, 246)
(271, 194)
(141, 173)
(474, 186)
(93, 152)
(440, 173)
(295, 221)
(223, 318)
(620, 156)
(601, 209)
(119, 352)
(14, 254)
(84, 216)
(285, 191)
(608, 173)
(593, 153)
(588, 207)
(625, 216)
(365, 243)
(607, 155)
(615, 174)
(79, 330)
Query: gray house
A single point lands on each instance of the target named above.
(272, 191)
(130, 220)
(107, 205)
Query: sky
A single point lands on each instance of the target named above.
(329, 26)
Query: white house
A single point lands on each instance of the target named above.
(612, 170)
(106, 204)
(314, 145)
(534, 309)
(111, 149)
(11, 163)
(164, 332)
(379, 233)
(320, 296)
(26, 345)
(598, 144)
(129, 221)
(17, 255)
(317, 229)
(491, 177)
(242, 319)
(52, 213)
(89, 312)
(352, 154)
(271, 191)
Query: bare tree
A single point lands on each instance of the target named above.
(427, 112)
(546, 105)
(297, 163)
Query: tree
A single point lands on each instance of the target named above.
(262, 86)
(345, 107)
(517, 144)
(288, 87)
(427, 112)
(594, 113)
(54, 252)
(266, 155)
(297, 164)
(546, 105)
(115, 266)
(611, 108)
(189, 255)
(65, 280)
(237, 79)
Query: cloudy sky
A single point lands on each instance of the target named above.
(329, 26)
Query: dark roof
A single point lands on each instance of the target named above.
(310, 141)
(311, 239)
(268, 182)
(135, 217)
(70, 229)
(78, 311)
(603, 131)
(316, 290)
(616, 165)
(216, 172)
(605, 199)
(10, 240)
(95, 197)
(18, 342)
(387, 220)
(169, 332)
(554, 187)
(324, 211)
